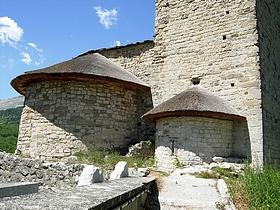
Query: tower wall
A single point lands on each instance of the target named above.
(268, 13)
(63, 117)
(233, 47)
(216, 41)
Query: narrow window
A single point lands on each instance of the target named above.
(195, 80)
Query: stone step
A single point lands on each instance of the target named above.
(18, 188)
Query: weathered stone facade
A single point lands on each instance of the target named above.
(63, 117)
(193, 140)
(233, 46)
(268, 26)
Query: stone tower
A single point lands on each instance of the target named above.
(87, 102)
(233, 47)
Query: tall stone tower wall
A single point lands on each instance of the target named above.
(233, 47)
(268, 13)
(216, 41)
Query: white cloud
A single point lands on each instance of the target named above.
(35, 47)
(40, 55)
(107, 17)
(117, 43)
(26, 58)
(10, 32)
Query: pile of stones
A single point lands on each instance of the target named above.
(235, 165)
(59, 175)
(49, 175)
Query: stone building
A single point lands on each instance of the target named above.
(232, 47)
(87, 102)
(193, 127)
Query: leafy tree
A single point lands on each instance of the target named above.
(9, 124)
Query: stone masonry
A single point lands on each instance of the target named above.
(269, 51)
(50, 176)
(194, 140)
(232, 46)
(108, 116)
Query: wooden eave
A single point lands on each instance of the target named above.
(152, 118)
(21, 82)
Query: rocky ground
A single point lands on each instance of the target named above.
(180, 190)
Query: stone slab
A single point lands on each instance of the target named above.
(18, 188)
(97, 196)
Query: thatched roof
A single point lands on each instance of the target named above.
(88, 68)
(195, 101)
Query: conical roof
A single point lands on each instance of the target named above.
(195, 101)
(88, 68)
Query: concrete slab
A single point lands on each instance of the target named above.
(188, 192)
(18, 188)
(97, 196)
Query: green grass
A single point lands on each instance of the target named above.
(263, 187)
(108, 159)
(256, 189)
(216, 173)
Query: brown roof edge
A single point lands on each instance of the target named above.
(152, 118)
(21, 82)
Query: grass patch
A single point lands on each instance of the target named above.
(217, 173)
(256, 189)
(108, 159)
(252, 189)
(206, 175)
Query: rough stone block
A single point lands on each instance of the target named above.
(121, 170)
(90, 174)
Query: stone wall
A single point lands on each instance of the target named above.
(61, 118)
(232, 46)
(136, 58)
(216, 41)
(268, 13)
(196, 140)
(49, 175)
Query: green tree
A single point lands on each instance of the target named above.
(9, 124)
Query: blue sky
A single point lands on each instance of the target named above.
(38, 33)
